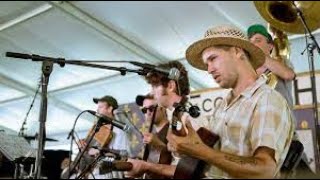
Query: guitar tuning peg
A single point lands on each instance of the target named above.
(193, 110)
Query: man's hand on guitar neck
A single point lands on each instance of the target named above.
(185, 145)
(153, 140)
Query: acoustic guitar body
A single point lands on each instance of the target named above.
(190, 168)
(158, 156)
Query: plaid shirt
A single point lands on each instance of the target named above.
(259, 116)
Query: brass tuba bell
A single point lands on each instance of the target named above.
(283, 16)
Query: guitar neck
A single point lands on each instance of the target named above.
(147, 148)
(177, 124)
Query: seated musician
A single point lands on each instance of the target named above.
(253, 121)
(166, 92)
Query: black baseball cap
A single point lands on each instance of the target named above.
(141, 98)
(108, 99)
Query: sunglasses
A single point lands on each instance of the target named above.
(151, 109)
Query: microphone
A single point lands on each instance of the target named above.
(172, 73)
(18, 55)
(34, 57)
(108, 120)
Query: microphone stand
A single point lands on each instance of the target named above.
(311, 47)
(47, 67)
(77, 161)
(89, 167)
(307, 29)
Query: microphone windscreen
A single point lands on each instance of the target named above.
(174, 74)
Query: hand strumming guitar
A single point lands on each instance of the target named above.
(187, 144)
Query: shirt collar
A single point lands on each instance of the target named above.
(249, 91)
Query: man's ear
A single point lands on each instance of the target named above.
(239, 53)
(110, 109)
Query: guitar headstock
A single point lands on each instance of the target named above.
(176, 124)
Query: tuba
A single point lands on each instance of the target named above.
(283, 14)
(282, 17)
(280, 52)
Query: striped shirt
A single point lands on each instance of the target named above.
(259, 116)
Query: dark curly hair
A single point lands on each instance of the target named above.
(156, 78)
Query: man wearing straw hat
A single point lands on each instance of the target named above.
(253, 121)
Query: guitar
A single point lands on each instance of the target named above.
(159, 156)
(189, 167)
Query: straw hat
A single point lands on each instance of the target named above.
(223, 35)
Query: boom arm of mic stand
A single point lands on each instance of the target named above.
(62, 62)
